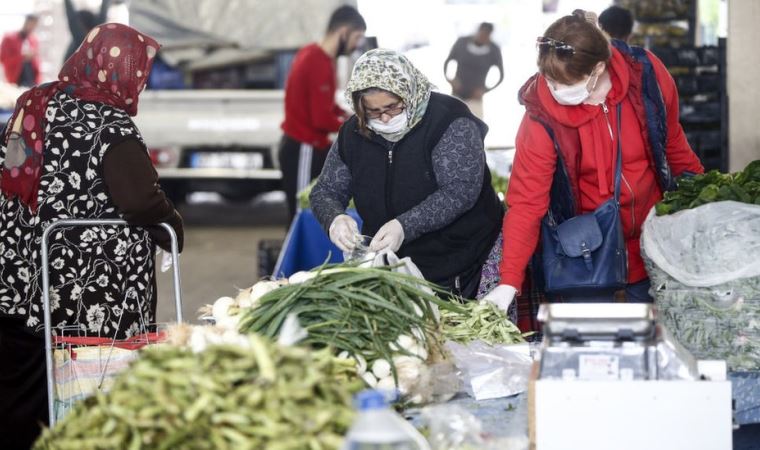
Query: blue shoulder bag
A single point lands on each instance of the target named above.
(587, 253)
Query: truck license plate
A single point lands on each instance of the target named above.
(227, 160)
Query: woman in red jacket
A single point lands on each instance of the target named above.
(570, 108)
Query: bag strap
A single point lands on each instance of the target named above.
(618, 158)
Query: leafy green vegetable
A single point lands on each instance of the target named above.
(362, 311)
(480, 321)
(712, 186)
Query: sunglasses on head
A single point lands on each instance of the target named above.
(562, 49)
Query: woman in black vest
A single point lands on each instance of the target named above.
(413, 162)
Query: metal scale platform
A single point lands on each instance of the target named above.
(610, 377)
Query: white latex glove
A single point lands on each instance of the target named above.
(389, 236)
(501, 296)
(343, 232)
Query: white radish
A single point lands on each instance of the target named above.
(408, 371)
(259, 289)
(386, 384)
(369, 379)
(300, 277)
(221, 307)
(381, 368)
(343, 355)
(419, 351)
(229, 322)
(361, 364)
(405, 342)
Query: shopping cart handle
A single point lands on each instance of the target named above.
(46, 289)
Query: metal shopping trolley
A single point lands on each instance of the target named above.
(80, 365)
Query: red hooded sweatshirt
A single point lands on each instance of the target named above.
(535, 161)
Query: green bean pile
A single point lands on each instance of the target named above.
(226, 397)
(362, 311)
(479, 321)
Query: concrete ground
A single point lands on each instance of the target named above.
(221, 250)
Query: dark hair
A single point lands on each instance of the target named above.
(87, 19)
(590, 44)
(486, 26)
(361, 114)
(346, 15)
(617, 22)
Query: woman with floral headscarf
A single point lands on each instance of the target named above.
(413, 162)
(71, 150)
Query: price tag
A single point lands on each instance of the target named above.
(598, 367)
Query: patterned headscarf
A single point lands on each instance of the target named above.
(392, 72)
(111, 66)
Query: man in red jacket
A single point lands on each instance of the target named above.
(581, 81)
(310, 110)
(19, 54)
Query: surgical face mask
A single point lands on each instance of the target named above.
(574, 94)
(396, 124)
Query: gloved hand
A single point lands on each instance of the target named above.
(501, 296)
(389, 236)
(343, 232)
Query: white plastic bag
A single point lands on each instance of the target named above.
(705, 246)
(492, 371)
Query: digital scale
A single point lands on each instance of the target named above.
(610, 378)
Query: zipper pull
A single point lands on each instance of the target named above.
(390, 156)
(604, 108)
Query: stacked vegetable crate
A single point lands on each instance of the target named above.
(700, 75)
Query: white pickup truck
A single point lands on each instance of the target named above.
(223, 141)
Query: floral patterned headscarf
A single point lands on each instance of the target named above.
(392, 72)
(111, 66)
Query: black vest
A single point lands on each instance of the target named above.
(388, 179)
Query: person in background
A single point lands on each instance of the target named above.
(617, 22)
(71, 150)
(311, 113)
(413, 161)
(19, 54)
(475, 56)
(81, 22)
(571, 108)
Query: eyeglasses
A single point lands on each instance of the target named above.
(562, 49)
(393, 111)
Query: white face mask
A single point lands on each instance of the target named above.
(574, 94)
(396, 124)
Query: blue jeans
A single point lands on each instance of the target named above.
(634, 293)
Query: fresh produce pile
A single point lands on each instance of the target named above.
(230, 396)
(713, 186)
(479, 321)
(386, 321)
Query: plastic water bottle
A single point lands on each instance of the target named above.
(378, 427)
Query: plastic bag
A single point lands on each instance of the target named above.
(705, 276)
(452, 427)
(492, 371)
(166, 259)
(705, 246)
